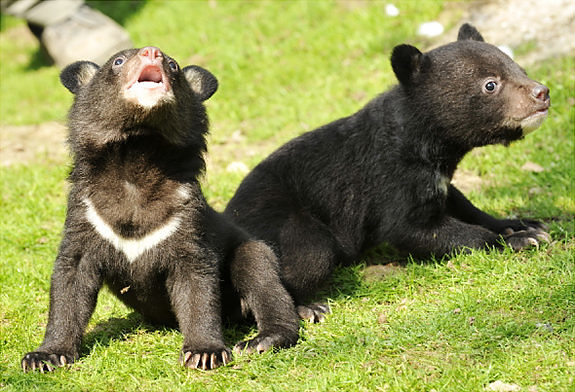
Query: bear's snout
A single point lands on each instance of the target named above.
(150, 52)
(541, 93)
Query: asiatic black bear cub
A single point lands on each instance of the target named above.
(384, 173)
(137, 219)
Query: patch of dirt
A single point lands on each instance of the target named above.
(33, 143)
(536, 30)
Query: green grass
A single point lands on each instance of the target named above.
(285, 68)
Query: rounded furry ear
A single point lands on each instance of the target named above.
(77, 75)
(407, 62)
(468, 32)
(202, 82)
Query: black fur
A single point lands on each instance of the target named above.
(137, 168)
(383, 174)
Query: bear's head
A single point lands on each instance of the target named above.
(468, 92)
(137, 91)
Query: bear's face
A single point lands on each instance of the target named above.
(470, 91)
(137, 90)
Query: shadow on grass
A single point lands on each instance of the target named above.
(115, 328)
(121, 328)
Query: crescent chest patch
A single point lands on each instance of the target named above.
(132, 248)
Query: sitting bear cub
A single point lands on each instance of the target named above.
(384, 173)
(137, 219)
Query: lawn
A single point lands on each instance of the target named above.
(457, 324)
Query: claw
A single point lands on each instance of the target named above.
(533, 241)
(544, 236)
(63, 360)
(205, 358)
(314, 313)
(305, 313)
(24, 366)
(186, 358)
(324, 308)
(196, 360)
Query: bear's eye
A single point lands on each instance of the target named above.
(490, 86)
(119, 61)
(173, 65)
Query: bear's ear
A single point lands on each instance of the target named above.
(468, 32)
(77, 75)
(407, 62)
(202, 82)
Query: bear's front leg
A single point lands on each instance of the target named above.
(195, 296)
(458, 206)
(73, 295)
(256, 277)
(451, 235)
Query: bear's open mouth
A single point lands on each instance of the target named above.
(150, 74)
(150, 77)
(148, 87)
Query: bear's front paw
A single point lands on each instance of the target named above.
(44, 362)
(205, 359)
(509, 226)
(267, 340)
(526, 238)
(314, 313)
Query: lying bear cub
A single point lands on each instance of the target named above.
(137, 219)
(384, 174)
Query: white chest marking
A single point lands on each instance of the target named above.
(132, 248)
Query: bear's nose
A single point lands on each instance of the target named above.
(541, 92)
(151, 52)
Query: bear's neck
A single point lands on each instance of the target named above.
(141, 153)
(417, 138)
(423, 142)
